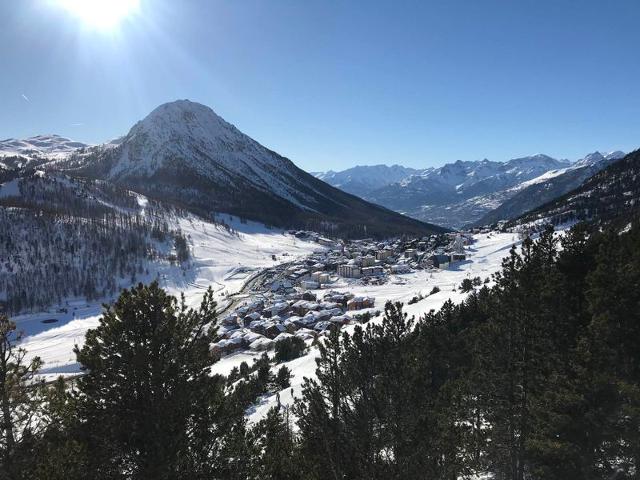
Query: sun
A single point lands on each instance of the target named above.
(101, 14)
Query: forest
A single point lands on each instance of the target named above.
(63, 238)
(534, 377)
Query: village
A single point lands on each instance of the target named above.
(309, 297)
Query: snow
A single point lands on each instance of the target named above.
(49, 147)
(193, 134)
(486, 258)
(217, 256)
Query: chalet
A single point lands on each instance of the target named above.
(279, 308)
(359, 303)
(322, 326)
(306, 334)
(261, 344)
(301, 307)
(309, 296)
(273, 329)
(339, 298)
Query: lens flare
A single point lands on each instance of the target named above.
(101, 14)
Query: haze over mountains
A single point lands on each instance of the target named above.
(469, 192)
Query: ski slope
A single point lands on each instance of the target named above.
(221, 259)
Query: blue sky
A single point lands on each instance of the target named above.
(331, 84)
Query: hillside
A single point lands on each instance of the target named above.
(549, 187)
(64, 238)
(613, 193)
(183, 152)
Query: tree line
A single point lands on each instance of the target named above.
(535, 377)
(63, 238)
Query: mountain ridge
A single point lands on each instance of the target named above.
(184, 152)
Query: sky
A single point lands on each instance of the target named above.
(335, 83)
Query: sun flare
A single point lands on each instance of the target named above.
(101, 14)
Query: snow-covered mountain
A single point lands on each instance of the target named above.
(185, 153)
(364, 179)
(549, 186)
(14, 152)
(468, 192)
(452, 195)
(611, 194)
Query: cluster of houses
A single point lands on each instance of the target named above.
(374, 261)
(261, 323)
(293, 303)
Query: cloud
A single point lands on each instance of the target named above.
(26, 98)
(77, 124)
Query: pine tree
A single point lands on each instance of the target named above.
(148, 401)
(20, 400)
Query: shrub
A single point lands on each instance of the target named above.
(289, 348)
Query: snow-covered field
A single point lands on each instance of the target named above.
(220, 259)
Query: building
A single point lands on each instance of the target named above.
(309, 284)
(440, 261)
(410, 253)
(372, 271)
(368, 261)
(359, 303)
(400, 268)
(384, 254)
(349, 270)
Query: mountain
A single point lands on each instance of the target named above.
(184, 153)
(613, 193)
(18, 153)
(363, 180)
(452, 195)
(549, 186)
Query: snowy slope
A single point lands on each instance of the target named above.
(43, 147)
(610, 195)
(548, 186)
(219, 258)
(185, 153)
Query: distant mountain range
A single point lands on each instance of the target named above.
(612, 194)
(469, 192)
(184, 153)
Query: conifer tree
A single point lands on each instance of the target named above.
(20, 400)
(148, 401)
